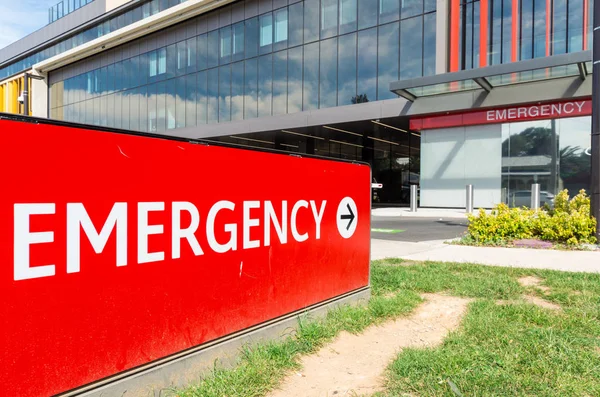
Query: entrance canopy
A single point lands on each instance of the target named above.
(487, 78)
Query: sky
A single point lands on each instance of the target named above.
(18, 18)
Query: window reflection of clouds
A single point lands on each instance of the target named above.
(220, 76)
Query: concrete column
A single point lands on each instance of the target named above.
(442, 43)
(38, 91)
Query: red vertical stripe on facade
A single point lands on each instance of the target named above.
(483, 32)
(515, 30)
(548, 15)
(586, 10)
(454, 34)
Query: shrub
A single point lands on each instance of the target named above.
(569, 222)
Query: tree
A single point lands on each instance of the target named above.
(360, 98)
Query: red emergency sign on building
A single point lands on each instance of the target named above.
(572, 108)
(118, 250)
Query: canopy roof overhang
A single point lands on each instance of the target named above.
(487, 78)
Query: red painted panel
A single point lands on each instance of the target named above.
(454, 34)
(483, 32)
(515, 30)
(586, 11)
(111, 313)
(548, 26)
(573, 108)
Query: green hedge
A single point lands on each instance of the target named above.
(569, 222)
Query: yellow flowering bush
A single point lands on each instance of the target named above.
(569, 222)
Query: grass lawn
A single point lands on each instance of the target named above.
(511, 349)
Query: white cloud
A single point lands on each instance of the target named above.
(22, 17)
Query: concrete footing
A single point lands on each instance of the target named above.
(158, 378)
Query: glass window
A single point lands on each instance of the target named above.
(137, 15)
(89, 112)
(429, 28)
(266, 33)
(294, 80)
(161, 106)
(310, 90)
(280, 66)
(152, 111)
(153, 64)
(411, 53)
(125, 111)
(367, 13)
(110, 111)
(180, 102)
(507, 30)
(162, 61)
(495, 40)
(191, 47)
(182, 57)
(202, 98)
(225, 93)
(281, 29)
(411, 8)
(237, 91)
(348, 16)
(143, 98)
(191, 98)
(389, 44)
(575, 25)
(213, 96)
(212, 53)
(389, 10)
(238, 42)
(296, 24)
(311, 20)
(265, 85)
(251, 37)
(134, 110)
(328, 73)
(202, 52)
(367, 65)
(526, 47)
(171, 111)
(171, 61)
(251, 89)
(329, 14)
(225, 45)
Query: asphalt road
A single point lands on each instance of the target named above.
(416, 229)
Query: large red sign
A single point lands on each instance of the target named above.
(573, 108)
(118, 250)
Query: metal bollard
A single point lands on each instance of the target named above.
(469, 206)
(535, 196)
(413, 198)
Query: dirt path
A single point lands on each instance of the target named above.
(353, 364)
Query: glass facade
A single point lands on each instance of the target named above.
(136, 14)
(64, 8)
(554, 153)
(309, 55)
(543, 28)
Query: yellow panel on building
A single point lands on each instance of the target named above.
(9, 96)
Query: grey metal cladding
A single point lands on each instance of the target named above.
(212, 21)
(265, 6)
(180, 31)
(251, 9)
(190, 28)
(237, 12)
(170, 35)
(67, 23)
(279, 3)
(202, 25)
(225, 16)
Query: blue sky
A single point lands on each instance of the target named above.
(18, 18)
